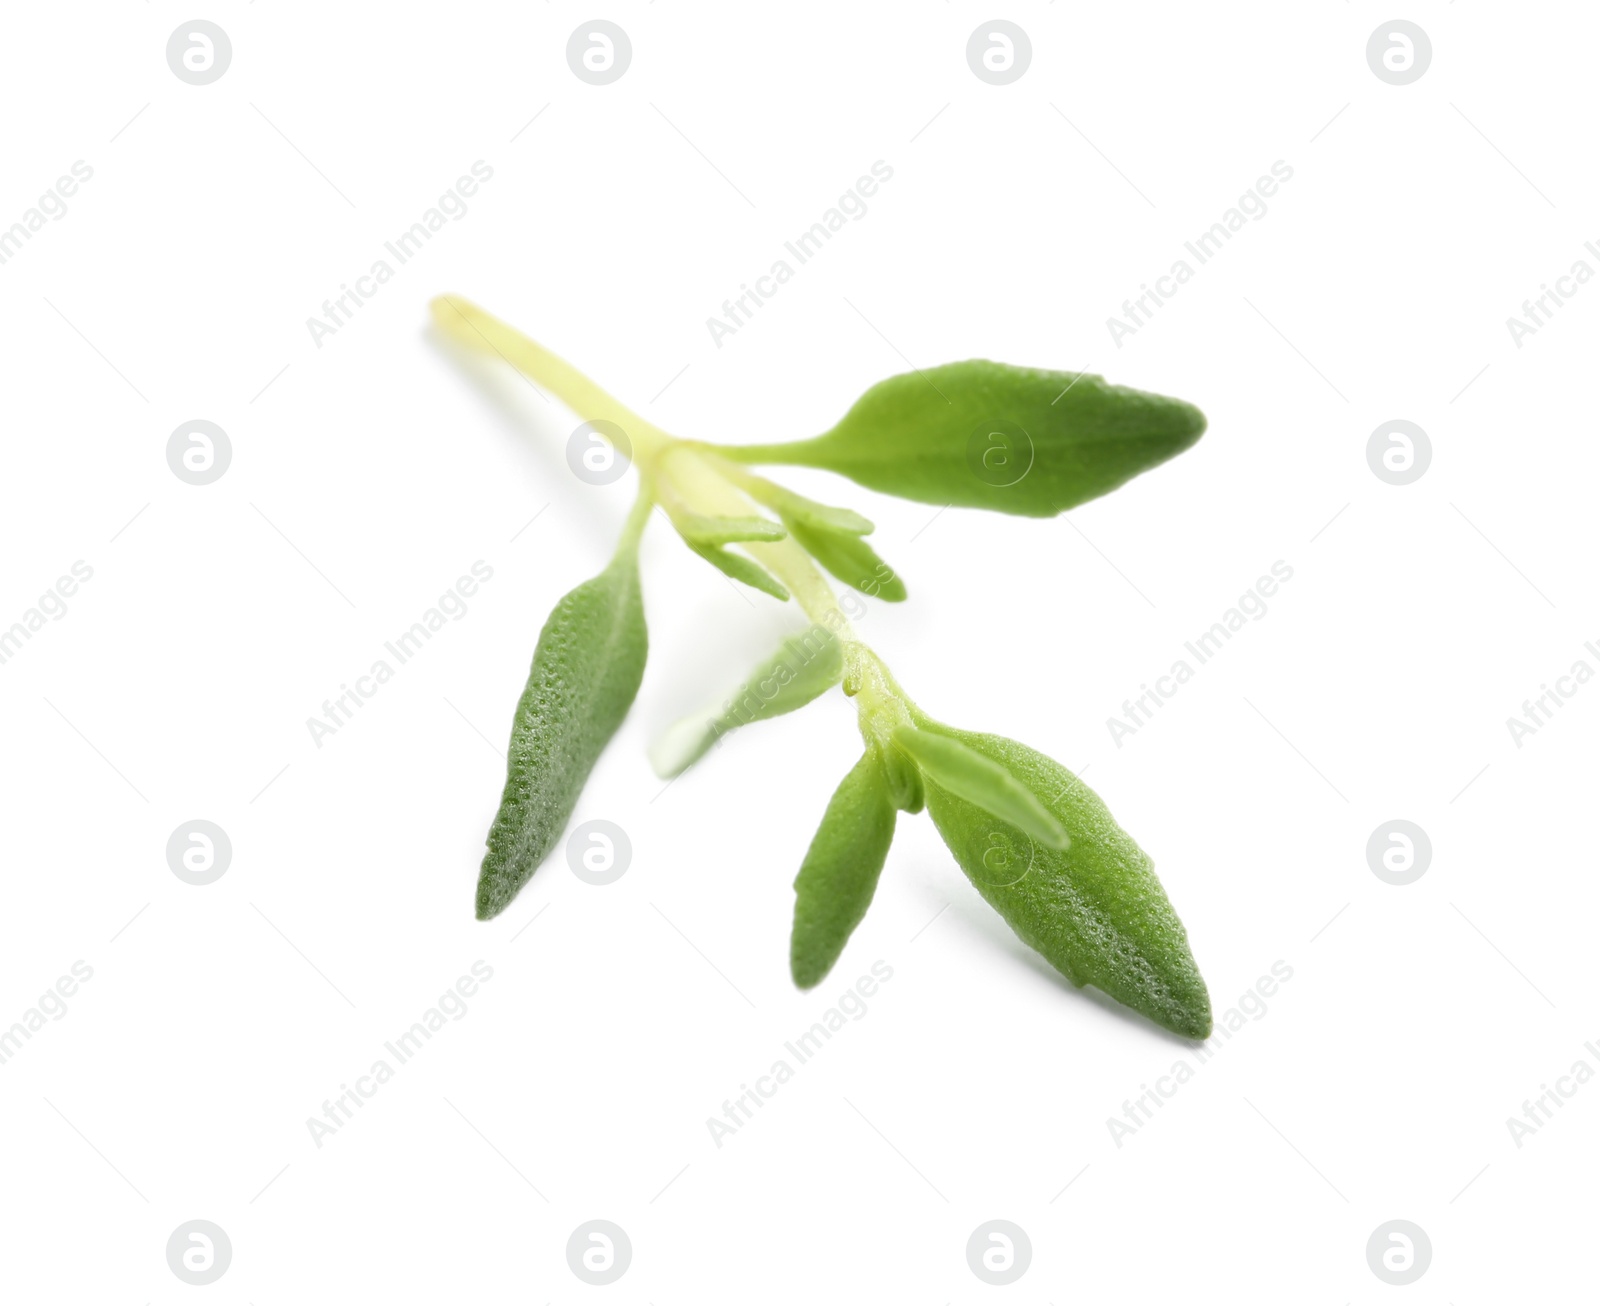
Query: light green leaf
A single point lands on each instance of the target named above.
(840, 871)
(726, 530)
(794, 507)
(586, 671)
(906, 790)
(988, 435)
(742, 569)
(1095, 911)
(851, 559)
(805, 666)
(968, 774)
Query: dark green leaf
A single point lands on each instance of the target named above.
(804, 666)
(840, 871)
(987, 435)
(1096, 912)
(586, 671)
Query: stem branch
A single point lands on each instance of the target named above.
(468, 324)
(693, 476)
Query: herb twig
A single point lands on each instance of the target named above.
(1037, 844)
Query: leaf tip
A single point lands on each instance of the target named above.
(1184, 1004)
(680, 746)
(1193, 1021)
(806, 975)
(1189, 425)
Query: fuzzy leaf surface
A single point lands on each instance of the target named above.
(586, 671)
(1096, 911)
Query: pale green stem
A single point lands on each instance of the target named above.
(638, 515)
(697, 483)
(465, 322)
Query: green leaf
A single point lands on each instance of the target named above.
(742, 569)
(794, 507)
(1096, 911)
(851, 559)
(840, 871)
(586, 671)
(726, 530)
(971, 775)
(904, 778)
(805, 666)
(987, 435)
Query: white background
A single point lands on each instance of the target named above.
(368, 474)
